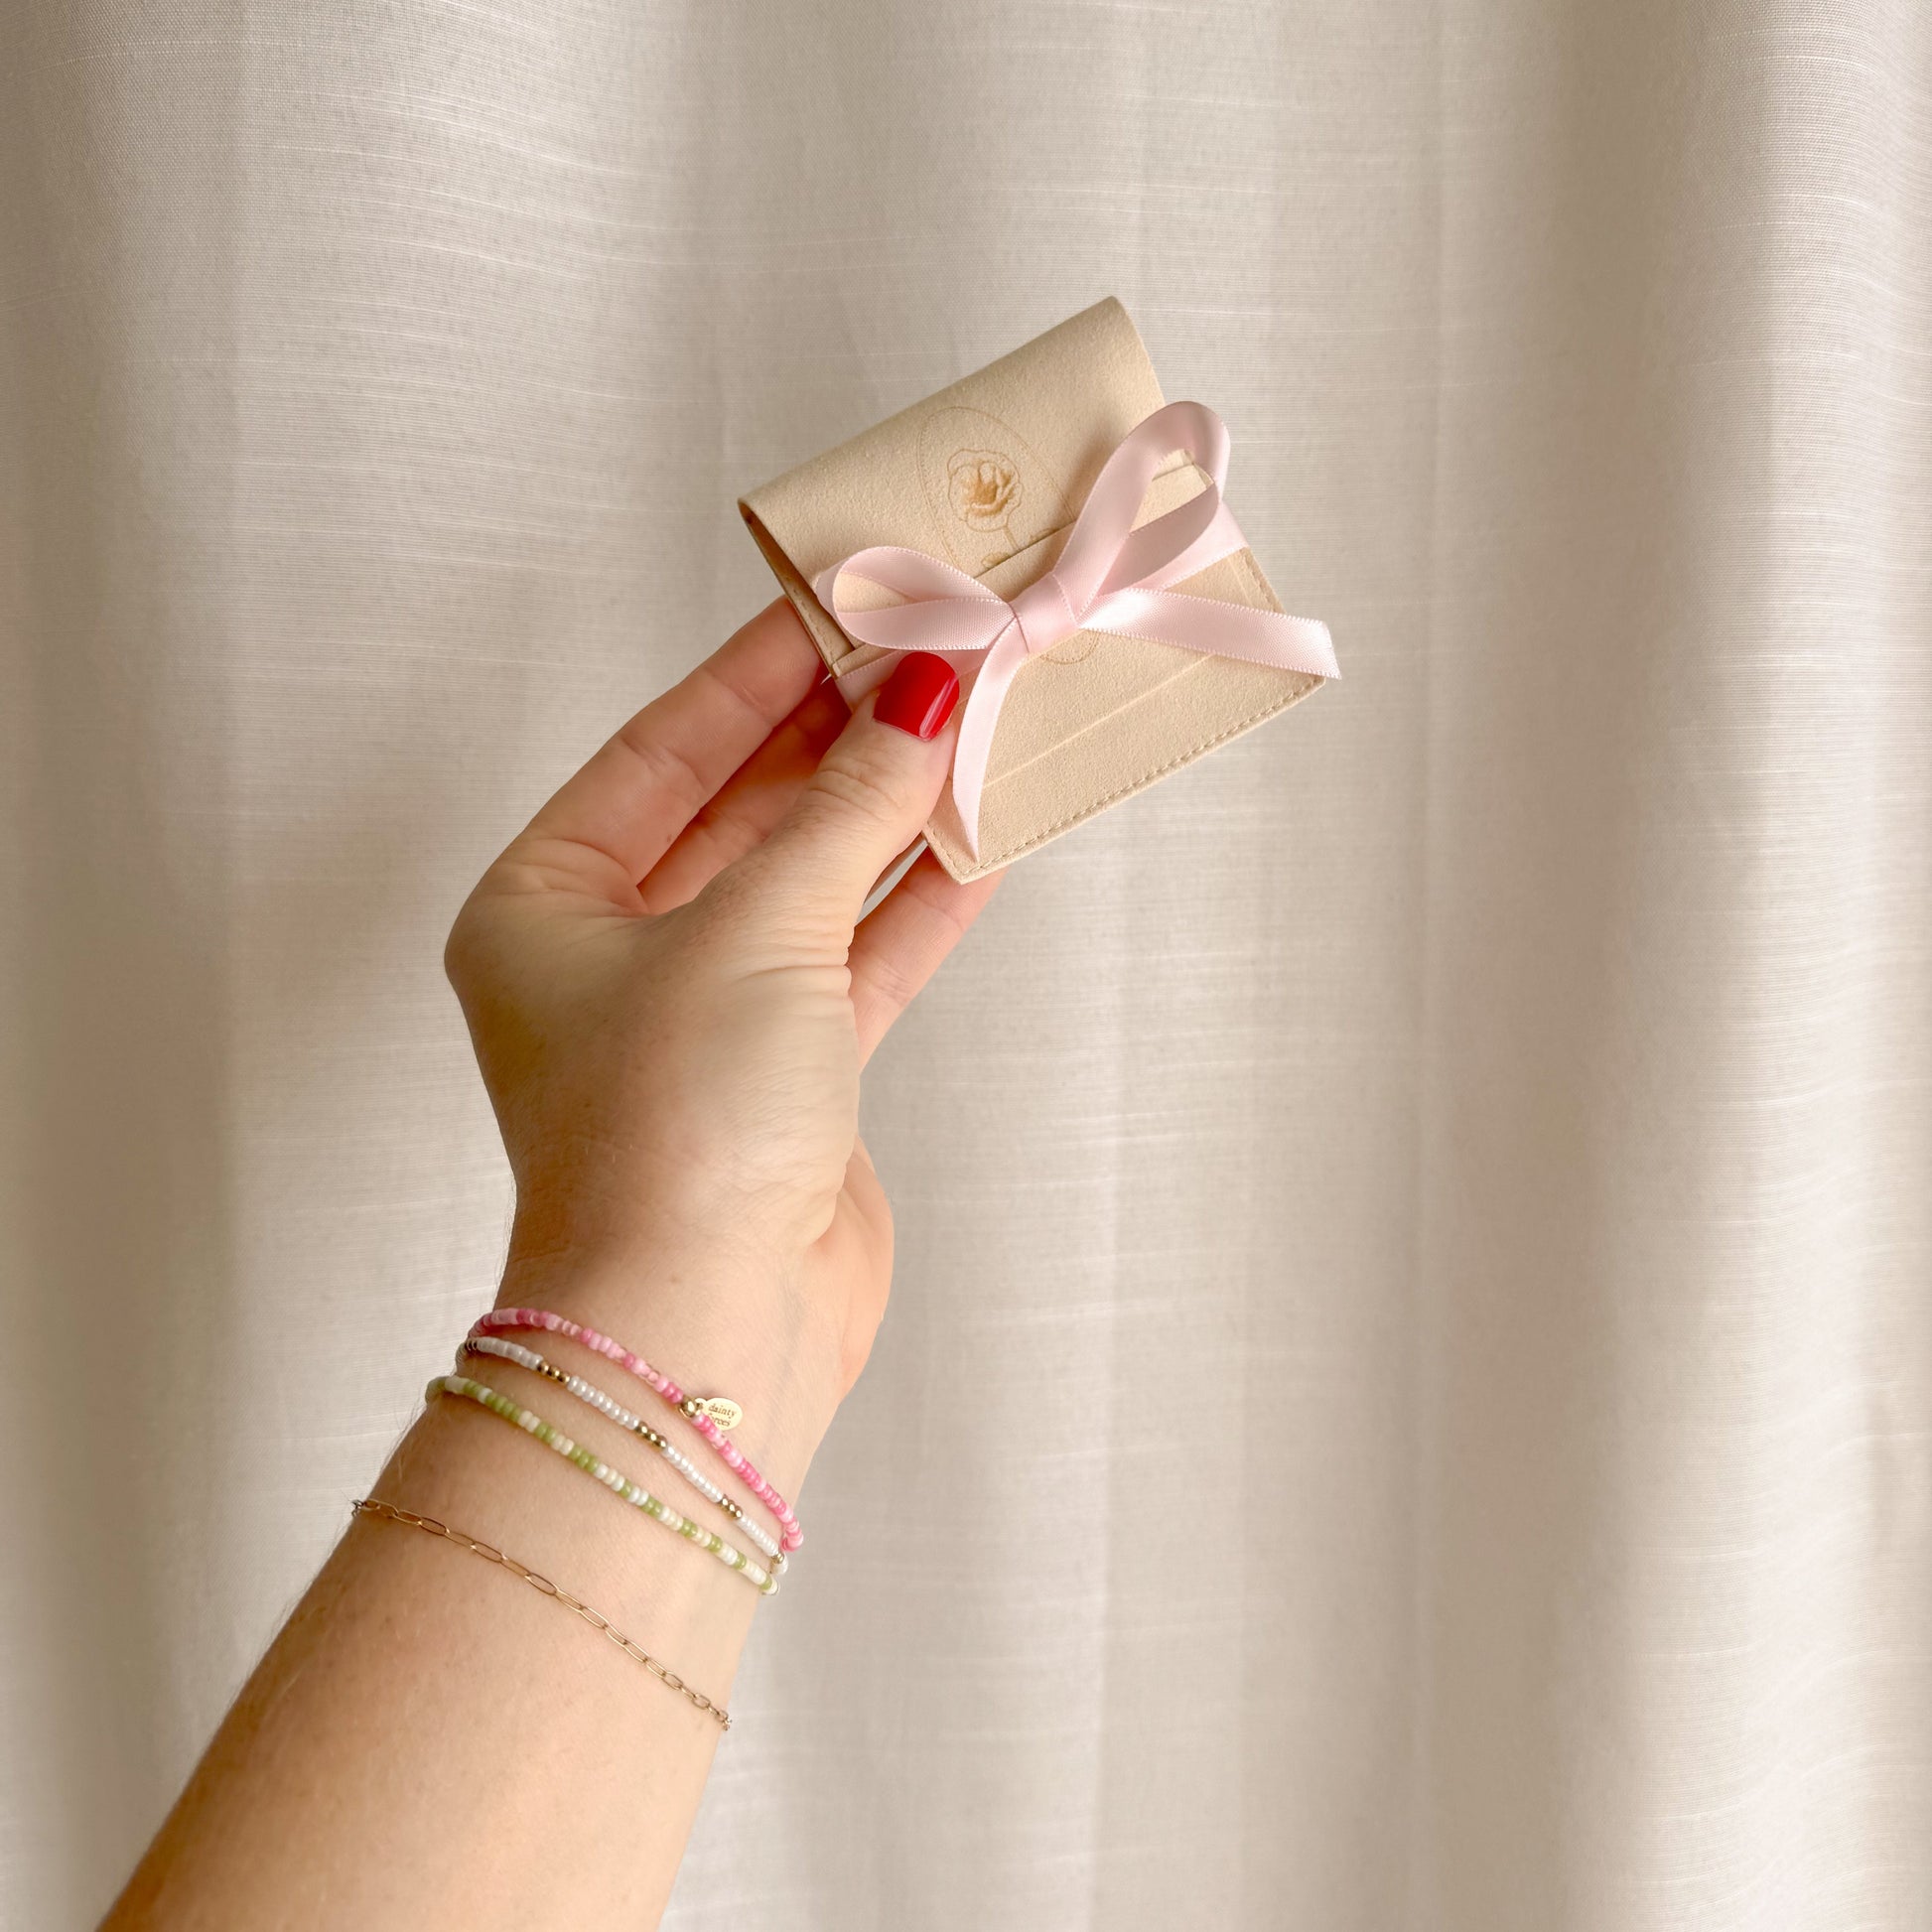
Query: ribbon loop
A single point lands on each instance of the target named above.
(1109, 577)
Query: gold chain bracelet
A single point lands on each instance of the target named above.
(370, 1506)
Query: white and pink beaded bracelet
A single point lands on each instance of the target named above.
(588, 1391)
(690, 1407)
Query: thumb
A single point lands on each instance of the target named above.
(872, 790)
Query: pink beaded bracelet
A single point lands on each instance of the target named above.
(690, 1407)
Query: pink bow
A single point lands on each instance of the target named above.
(1110, 577)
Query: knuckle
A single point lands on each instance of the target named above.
(937, 916)
(863, 787)
(746, 915)
(480, 953)
(854, 1354)
(888, 982)
(458, 950)
(727, 903)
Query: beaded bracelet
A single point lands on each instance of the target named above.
(552, 1437)
(388, 1512)
(511, 1351)
(688, 1405)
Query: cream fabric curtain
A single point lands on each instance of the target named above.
(1408, 1401)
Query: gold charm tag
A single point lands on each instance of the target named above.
(722, 1410)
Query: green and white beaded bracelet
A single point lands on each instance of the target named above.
(588, 1391)
(620, 1484)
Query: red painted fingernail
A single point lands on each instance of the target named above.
(920, 695)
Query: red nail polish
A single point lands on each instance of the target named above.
(920, 695)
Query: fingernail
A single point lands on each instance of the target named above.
(920, 695)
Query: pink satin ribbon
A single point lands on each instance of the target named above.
(1110, 577)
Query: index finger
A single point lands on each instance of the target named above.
(646, 784)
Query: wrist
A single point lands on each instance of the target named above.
(717, 1327)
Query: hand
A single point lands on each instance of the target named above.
(671, 1007)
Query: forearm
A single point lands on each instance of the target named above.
(676, 1064)
(432, 1742)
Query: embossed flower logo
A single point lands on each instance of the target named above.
(985, 488)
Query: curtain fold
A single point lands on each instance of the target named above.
(1408, 1391)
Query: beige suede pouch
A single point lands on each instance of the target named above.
(989, 476)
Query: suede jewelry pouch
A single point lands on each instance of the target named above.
(1055, 531)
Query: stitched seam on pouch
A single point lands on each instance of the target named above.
(1149, 696)
(1245, 559)
(1147, 777)
(1247, 564)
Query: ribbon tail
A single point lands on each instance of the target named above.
(977, 721)
(1219, 629)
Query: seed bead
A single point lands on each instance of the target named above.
(790, 1536)
(572, 1451)
(511, 1351)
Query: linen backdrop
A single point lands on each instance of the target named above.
(1409, 1392)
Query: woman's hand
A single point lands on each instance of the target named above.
(671, 1007)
